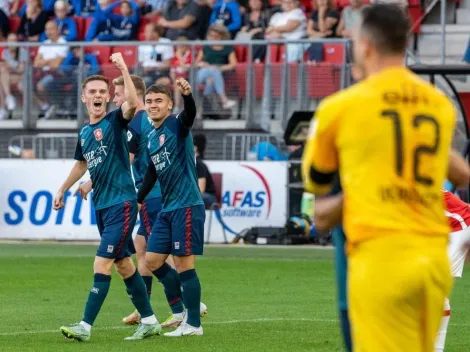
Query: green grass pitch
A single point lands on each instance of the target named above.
(259, 299)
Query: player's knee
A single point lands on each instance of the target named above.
(125, 267)
(153, 261)
(102, 266)
(184, 263)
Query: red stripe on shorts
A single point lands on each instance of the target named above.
(146, 218)
(188, 232)
(127, 223)
(446, 313)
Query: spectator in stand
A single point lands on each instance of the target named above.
(151, 8)
(289, 24)
(156, 59)
(47, 6)
(5, 13)
(117, 27)
(466, 55)
(85, 8)
(67, 25)
(204, 177)
(181, 18)
(321, 24)
(227, 13)
(349, 17)
(100, 26)
(33, 21)
(11, 72)
(48, 61)
(213, 61)
(68, 74)
(180, 66)
(323, 21)
(255, 23)
(204, 17)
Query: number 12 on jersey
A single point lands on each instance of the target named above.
(429, 149)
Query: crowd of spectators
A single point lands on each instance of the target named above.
(159, 21)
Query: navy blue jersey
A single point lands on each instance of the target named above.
(171, 149)
(137, 136)
(104, 147)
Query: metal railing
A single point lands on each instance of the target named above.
(45, 145)
(263, 90)
(238, 146)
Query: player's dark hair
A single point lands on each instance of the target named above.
(159, 88)
(387, 27)
(199, 141)
(95, 78)
(139, 83)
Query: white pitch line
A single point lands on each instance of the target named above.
(240, 321)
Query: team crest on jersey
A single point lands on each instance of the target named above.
(98, 134)
(129, 136)
(162, 139)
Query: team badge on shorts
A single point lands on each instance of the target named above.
(162, 139)
(98, 134)
(110, 249)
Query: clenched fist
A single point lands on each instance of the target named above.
(118, 60)
(183, 86)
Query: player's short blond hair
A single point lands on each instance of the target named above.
(139, 84)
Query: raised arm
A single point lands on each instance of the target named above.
(129, 107)
(188, 115)
(147, 184)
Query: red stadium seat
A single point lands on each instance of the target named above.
(415, 13)
(33, 51)
(80, 21)
(1, 50)
(276, 79)
(128, 53)
(102, 53)
(240, 52)
(87, 22)
(14, 23)
(274, 55)
(334, 53)
(257, 76)
(323, 79)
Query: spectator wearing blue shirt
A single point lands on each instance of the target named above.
(227, 13)
(66, 24)
(47, 7)
(100, 25)
(84, 8)
(121, 26)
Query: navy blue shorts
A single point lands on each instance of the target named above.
(115, 225)
(179, 232)
(148, 215)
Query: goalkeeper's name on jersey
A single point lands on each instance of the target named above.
(395, 194)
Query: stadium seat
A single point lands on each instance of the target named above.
(15, 22)
(274, 54)
(334, 53)
(240, 52)
(80, 21)
(128, 53)
(241, 79)
(323, 79)
(87, 23)
(217, 178)
(415, 12)
(276, 79)
(102, 53)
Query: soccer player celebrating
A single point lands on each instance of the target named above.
(179, 228)
(391, 174)
(102, 149)
(139, 128)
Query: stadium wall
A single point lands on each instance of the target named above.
(252, 194)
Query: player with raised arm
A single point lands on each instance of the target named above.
(179, 229)
(391, 174)
(139, 128)
(102, 149)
